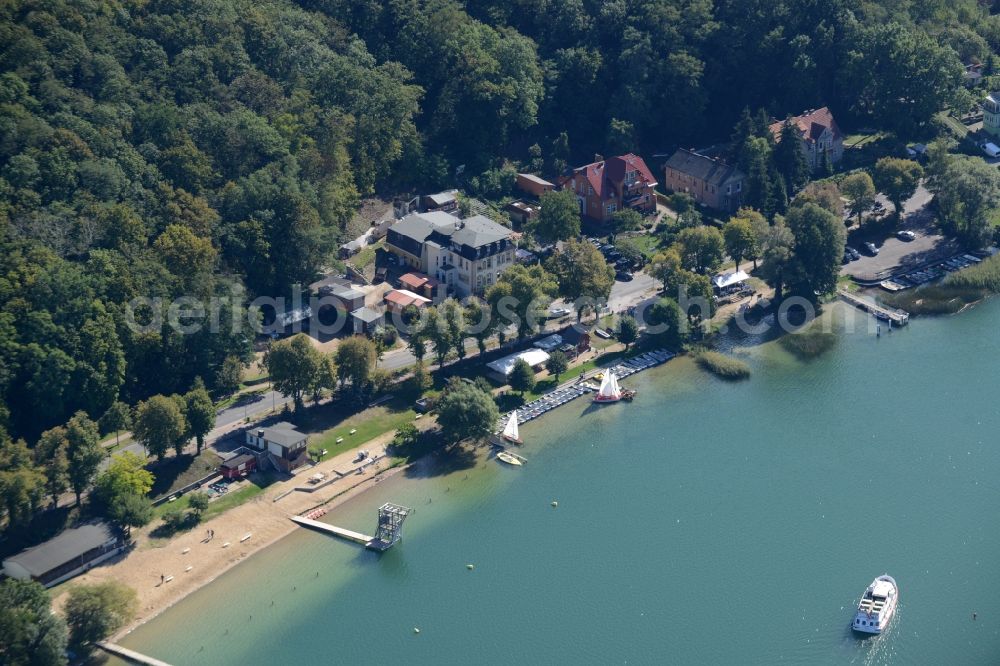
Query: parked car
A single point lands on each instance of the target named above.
(871, 249)
(624, 276)
(559, 312)
(991, 149)
(906, 235)
(854, 254)
(846, 259)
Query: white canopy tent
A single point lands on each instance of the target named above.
(504, 366)
(728, 280)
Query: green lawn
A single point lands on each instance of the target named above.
(369, 424)
(858, 140)
(648, 244)
(255, 486)
(366, 256)
(953, 124)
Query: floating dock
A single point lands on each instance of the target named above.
(571, 391)
(129, 655)
(897, 317)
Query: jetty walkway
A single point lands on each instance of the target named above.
(350, 535)
(129, 655)
(897, 317)
(573, 390)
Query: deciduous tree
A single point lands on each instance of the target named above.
(860, 192)
(30, 633)
(897, 179)
(83, 452)
(583, 274)
(522, 377)
(158, 424)
(94, 612)
(293, 365)
(355, 362)
(559, 217)
(466, 412)
(199, 412)
(700, 248)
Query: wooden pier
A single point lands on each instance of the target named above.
(129, 655)
(580, 386)
(897, 317)
(350, 535)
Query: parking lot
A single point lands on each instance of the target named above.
(893, 252)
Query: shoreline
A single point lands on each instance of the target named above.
(193, 560)
(335, 500)
(264, 509)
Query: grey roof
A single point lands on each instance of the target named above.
(236, 461)
(419, 226)
(442, 198)
(283, 433)
(348, 294)
(479, 230)
(535, 179)
(703, 168)
(367, 315)
(72, 543)
(474, 232)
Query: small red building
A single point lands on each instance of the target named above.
(578, 338)
(533, 185)
(238, 466)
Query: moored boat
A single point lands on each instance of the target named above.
(510, 432)
(510, 458)
(609, 391)
(877, 606)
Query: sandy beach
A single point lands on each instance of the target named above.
(265, 519)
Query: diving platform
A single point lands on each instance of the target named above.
(130, 656)
(389, 531)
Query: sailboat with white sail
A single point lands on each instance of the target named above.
(609, 391)
(510, 432)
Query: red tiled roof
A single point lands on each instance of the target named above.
(398, 298)
(601, 175)
(617, 167)
(812, 124)
(413, 280)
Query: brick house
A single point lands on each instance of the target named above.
(820, 134)
(603, 188)
(709, 181)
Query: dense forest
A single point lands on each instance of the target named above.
(200, 148)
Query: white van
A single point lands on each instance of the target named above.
(991, 149)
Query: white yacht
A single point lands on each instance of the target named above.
(877, 606)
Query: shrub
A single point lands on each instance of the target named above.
(984, 275)
(722, 366)
(807, 344)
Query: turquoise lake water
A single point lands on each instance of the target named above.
(708, 522)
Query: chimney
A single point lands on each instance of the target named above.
(260, 433)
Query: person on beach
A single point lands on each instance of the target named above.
(162, 578)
